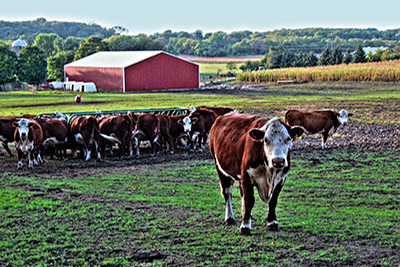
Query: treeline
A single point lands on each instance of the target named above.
(216, 44)
(278, 58)
(29, 30)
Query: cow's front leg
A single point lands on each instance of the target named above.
(247, 205)
(20, 156)
(324, 138)
(271, 218)
(31, 158)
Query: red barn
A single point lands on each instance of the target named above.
(128, 71)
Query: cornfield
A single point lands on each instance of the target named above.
(385, 71)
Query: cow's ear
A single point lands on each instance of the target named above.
(337, 114)
(30, 124)
(194, 119)
(15, 124)
(350, 115)
(257, 135)
(296, 132)
(180, 122)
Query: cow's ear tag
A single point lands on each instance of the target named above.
(257, 135)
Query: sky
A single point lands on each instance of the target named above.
(149, 16)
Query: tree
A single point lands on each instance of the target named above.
(337, 55)
(91, 45)
(8, 64)
(348, 57)
(46, 43)
(231, 66)
(326, 57)
(359, 55)
(55, 64)
(275, 57)
(32, 65)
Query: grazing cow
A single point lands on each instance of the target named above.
(256, 152)
(28, 137)
(200, 121)
(121, 127)
(324, 122)
(55, 134)
(164, 132)
(85, 131)
(7, 131)
(149, 129)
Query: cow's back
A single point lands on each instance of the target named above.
(313, 121)
(228, 138)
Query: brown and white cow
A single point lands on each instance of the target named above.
(55, 134)
(121, 127)
(176, 129)
(166, 138)
(7, 131)
(28, 137)
(85, 131)
(324, 122)
(149, 129)
(256, 152)
(201, 121)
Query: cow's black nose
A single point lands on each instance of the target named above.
(23, 134)
(278, 163)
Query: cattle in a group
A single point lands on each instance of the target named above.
(7, 131)
(256, 152)
(85, 131)
(176, 129)
(149, 129)
(166, 138)
(55, 135)
(121, 127)
(28, 137)
(324, 122)
(199, 121)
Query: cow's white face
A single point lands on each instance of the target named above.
(187, 124)
(343, 116)
(23, 128)
(276, 141)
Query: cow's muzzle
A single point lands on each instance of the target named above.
(278, 163)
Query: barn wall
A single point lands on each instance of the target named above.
(110, 79)
(160, 72)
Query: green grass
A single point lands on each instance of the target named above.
(211, 69)
(97, 220)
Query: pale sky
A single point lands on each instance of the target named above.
(149, 16)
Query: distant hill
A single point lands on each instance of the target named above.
(28, 30)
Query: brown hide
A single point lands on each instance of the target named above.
(164, 131)
(149, 127)
(313, 121)
(218, 110)
(88, 127)
(55, 128)
(121, 126)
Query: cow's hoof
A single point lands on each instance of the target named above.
(230, 221)
(19, 167)
(273, 226)
(172, 152)
(245, 231)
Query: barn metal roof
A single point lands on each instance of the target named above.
(116, 59)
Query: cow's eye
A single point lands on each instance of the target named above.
(267, 141)
(288, 139)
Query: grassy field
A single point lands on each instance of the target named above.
(337, 208)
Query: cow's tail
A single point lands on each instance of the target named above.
(110, 138)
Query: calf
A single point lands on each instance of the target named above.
(55, 134)
(324, 122)
(256, 152)
(85, 131)
(28, 137)
(7, 131)
(200, 121)
(120, 127)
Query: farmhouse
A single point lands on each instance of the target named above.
(128, 71)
